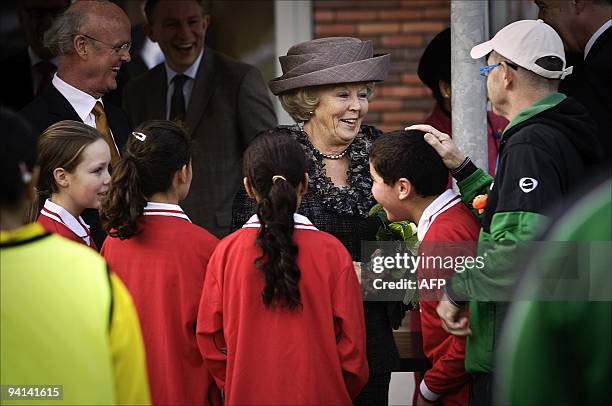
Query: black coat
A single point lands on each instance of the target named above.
(591, 85)
(17, 87)
(51, 106)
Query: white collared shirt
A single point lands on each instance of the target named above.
(83, 103)
(34, 60)
(300, 222)
(191, 73)
(77, 225)
(164, 209)
(442, 203)
(596, 35)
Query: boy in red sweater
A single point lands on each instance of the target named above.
(409, 181)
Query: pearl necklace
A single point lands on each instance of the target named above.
(327, 156)
(332, 156)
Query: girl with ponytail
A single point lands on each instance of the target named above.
(281, 318)
(162, 258)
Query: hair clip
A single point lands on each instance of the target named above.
(139, 136)
(278, 177)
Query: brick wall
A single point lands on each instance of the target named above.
(400, 27)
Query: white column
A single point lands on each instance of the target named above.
(468, 25)
(293, 24)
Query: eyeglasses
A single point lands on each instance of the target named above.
(116, 48)
(484, 71)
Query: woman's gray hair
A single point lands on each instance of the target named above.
(58, 38)
(301, 103)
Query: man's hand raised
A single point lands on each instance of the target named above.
(443, 144)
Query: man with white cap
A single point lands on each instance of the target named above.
(545, 151)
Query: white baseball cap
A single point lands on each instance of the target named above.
(524, 42)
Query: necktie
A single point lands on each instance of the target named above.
(45, 70)
(177, 104)
(102, 126)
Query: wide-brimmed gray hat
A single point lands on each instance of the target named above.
(327, 61)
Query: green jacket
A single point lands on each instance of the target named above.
(543, 154)
(558, 352)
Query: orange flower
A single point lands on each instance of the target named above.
(479, 203)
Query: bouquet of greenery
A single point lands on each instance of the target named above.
(406, 233)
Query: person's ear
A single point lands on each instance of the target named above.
(445, 89)
(508, 75)
(303, 186)
(249, 188)
(205, 22)
(79, 43)
(404, 188)
(61, 177)
(184, 173)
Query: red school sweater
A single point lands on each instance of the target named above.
(164, 267)
(54, 219)
(274, 356)
(446, 352)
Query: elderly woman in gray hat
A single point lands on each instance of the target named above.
(326, 87)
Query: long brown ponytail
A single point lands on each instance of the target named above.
(152, 155)
(282, 158)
